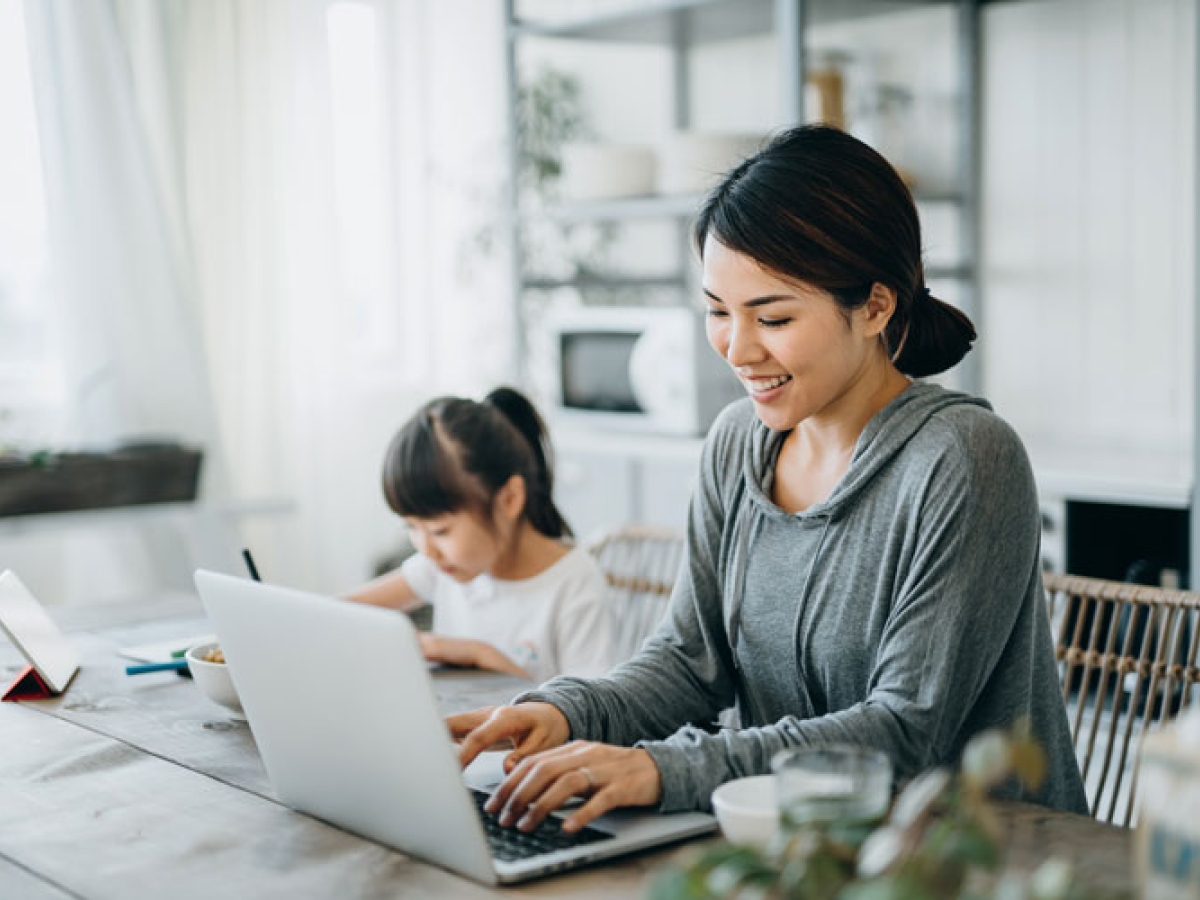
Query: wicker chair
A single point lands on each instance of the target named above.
(640, 565)
(1127, 657)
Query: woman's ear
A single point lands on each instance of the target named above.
(510, 499)
(878, 310)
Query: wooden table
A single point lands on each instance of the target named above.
(140, 787)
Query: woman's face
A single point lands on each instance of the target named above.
(458, 543)
(790, 344)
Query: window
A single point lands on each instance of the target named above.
(362, 162)
(31, 387)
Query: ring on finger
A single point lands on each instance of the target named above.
(591, 780)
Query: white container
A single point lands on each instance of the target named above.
(692, 162)
(606, 171)
(213, 679)
(747, 810)
(1167, 846)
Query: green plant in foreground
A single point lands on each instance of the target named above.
(940, 840)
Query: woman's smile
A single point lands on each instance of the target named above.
(765, 388)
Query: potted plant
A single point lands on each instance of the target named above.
(940, 840)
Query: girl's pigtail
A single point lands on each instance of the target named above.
(543, 513)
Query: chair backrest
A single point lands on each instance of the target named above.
(1127, 658)
(640, 565)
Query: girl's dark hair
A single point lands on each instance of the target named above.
(455, 454)
(818, 206)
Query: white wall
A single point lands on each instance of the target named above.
(1089, 221)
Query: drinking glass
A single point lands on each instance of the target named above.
(833, 786)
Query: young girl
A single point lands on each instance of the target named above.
(473, 482)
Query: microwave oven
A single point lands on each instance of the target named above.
(647, 369)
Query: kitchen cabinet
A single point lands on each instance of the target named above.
(1089, 204)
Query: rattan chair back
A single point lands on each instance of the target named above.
(1127, 658)
(640, 564)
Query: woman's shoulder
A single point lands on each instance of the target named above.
(976, 428)
(969, 438)
(736, 429)
(735, 422)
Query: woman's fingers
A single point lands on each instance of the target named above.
(462, 724)
(537, 786)
(568, 784)
(532, 727)
(597, 805)
(494, 728)
(608, 776)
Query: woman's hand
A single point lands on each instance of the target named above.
(607, 776)
(527, 727)
(467, 652)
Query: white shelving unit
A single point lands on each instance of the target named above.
(647, 484)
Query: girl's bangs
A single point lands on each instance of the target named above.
(420, 479)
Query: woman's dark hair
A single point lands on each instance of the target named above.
(818, 206)
(455, 454)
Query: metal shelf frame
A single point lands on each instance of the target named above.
(682, 24)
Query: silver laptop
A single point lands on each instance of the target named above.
(339, 700)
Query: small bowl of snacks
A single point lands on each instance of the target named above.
(206, 662)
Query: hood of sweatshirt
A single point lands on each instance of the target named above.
(883, 437)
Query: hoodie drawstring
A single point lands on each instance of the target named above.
(812, 567)
(746, 536)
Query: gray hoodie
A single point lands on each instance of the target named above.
(905, 612)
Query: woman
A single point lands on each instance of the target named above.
(863, 562)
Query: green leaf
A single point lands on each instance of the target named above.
(890, 888)
(963, 842)
(673, 884)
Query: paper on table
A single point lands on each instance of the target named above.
(164, 651)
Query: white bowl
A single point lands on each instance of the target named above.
(213, 679)
(606, 171)
(692, 162)
(746, 810)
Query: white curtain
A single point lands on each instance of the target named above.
(121, 260)
(313, 372)
(201, 159)
(121, 268)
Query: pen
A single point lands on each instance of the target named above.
(250, 564)
(174, 665)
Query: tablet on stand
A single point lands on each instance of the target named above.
(51, 659)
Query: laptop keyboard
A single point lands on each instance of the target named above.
(509, 844)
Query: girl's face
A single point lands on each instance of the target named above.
(459, 543)
(789, 343)
(464, 544)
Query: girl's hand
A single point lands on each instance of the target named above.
(528, 727)
(467, 652)
(607, 776)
